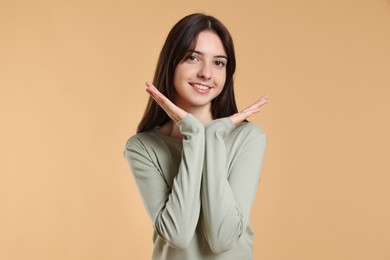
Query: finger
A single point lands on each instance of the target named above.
(251, 112)
(151, 89)
(260, 102)
(245, 114)
(238, 118)
(263, 100)
(174, 112)
(157, 95)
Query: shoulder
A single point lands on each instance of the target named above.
(249, 129)
(151, 141)
(141, 141)
(247, 133)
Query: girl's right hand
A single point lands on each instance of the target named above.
(173, 111)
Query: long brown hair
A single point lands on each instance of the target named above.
(181, 38)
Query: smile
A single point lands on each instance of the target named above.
(200, 87)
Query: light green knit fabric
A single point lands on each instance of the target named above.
(199, 191)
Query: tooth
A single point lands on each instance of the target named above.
(201, 87)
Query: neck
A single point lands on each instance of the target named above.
(205, 118)
(202, 114)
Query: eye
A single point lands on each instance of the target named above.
(219, 63)
(192, 58)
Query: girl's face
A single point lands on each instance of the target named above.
(201, 77)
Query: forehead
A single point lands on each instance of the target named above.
(208, 42)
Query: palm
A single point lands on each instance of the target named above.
(239, 117)
(173, 111)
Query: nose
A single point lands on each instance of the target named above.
(205, 71)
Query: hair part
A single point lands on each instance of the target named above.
(183, 37)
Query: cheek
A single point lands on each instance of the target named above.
(222, 81)
(177, 78)
(222, 78)
(181, 73)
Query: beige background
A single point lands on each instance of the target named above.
(71, 93)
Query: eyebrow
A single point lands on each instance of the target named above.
(201, 53)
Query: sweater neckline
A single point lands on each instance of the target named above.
(157, 132)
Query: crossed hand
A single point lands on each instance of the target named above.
(177, 114)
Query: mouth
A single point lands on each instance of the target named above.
(200, 87)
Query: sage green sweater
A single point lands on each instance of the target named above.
(199, 191)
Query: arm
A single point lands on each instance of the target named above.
(227, 201)
(174, 212)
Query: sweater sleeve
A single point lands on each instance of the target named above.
(229, 188)
(175, 211)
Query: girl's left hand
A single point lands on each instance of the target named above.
(173, 111)
(239, 117)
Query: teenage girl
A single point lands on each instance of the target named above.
(196, 160)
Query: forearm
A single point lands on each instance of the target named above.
(177, 221)
(222, 218)
(170, 188)
(229, 182)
